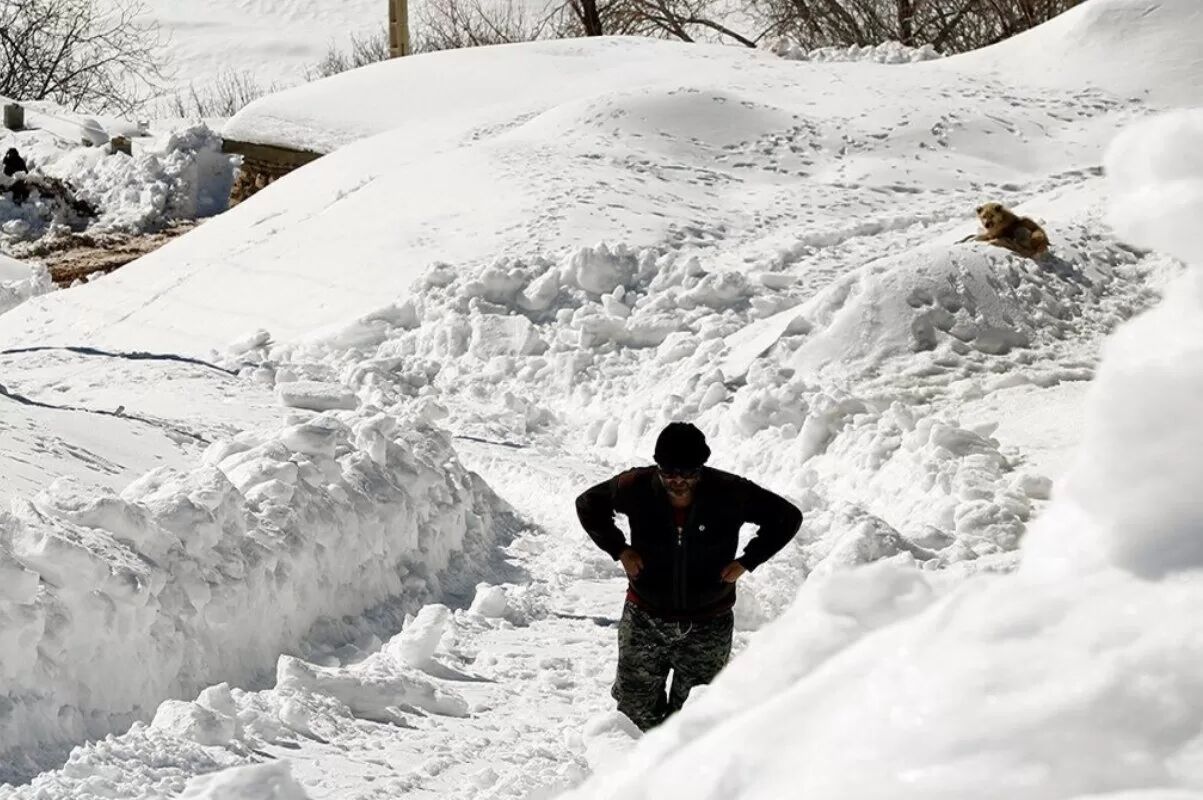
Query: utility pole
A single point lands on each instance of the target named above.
(398, 28)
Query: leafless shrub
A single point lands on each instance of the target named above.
(363, 50)
(224, 97)
(687, 20)
(96, 55)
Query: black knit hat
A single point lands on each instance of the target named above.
(681, 446)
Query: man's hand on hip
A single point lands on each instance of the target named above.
(732, 571)
(631, 562)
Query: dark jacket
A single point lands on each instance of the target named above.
(682, 568)
(13, 163)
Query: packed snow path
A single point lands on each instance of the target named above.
(531, 689)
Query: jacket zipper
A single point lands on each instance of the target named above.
(680, 567)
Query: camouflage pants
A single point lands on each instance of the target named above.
(648, 647)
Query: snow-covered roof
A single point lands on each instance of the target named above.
(437, 97)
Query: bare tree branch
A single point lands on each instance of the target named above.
(83, 54)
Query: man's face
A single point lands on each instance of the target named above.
(680, 482)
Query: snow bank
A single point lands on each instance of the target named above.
(110, 604)
(406, 685)
(1075, 677)
(1146, 48)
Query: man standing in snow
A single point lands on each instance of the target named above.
(681, 566)
(13, 163)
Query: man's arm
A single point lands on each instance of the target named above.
(777, 518)
(595, 508)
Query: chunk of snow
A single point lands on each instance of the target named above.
(315, 395)
(489, 601)
(415, 645)
(270, 781)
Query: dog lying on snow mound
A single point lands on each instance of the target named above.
(1005, 228)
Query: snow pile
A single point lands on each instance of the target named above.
(1146, 48)
(20, 281)
(621, 343)
(1073, 677)
(960, 302)
(110, 604)
(836, 401)
(180, 175)
(884, 53)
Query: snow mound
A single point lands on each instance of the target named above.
(1142, 446)
(1074, 677)
(953, 300)
(1148, 48)
(111, 604)
(1155, 171)
(491, 83)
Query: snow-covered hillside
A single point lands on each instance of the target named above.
(341, 387)
(274, 42)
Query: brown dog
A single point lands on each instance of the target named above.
(1003, 227)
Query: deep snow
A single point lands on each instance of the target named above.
(802, 296)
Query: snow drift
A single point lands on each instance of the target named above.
(1145, 48)
(110, 604)
(1075, 676)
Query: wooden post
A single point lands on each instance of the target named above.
(14, 117)
(398, 28)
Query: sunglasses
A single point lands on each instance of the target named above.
(687, 474)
